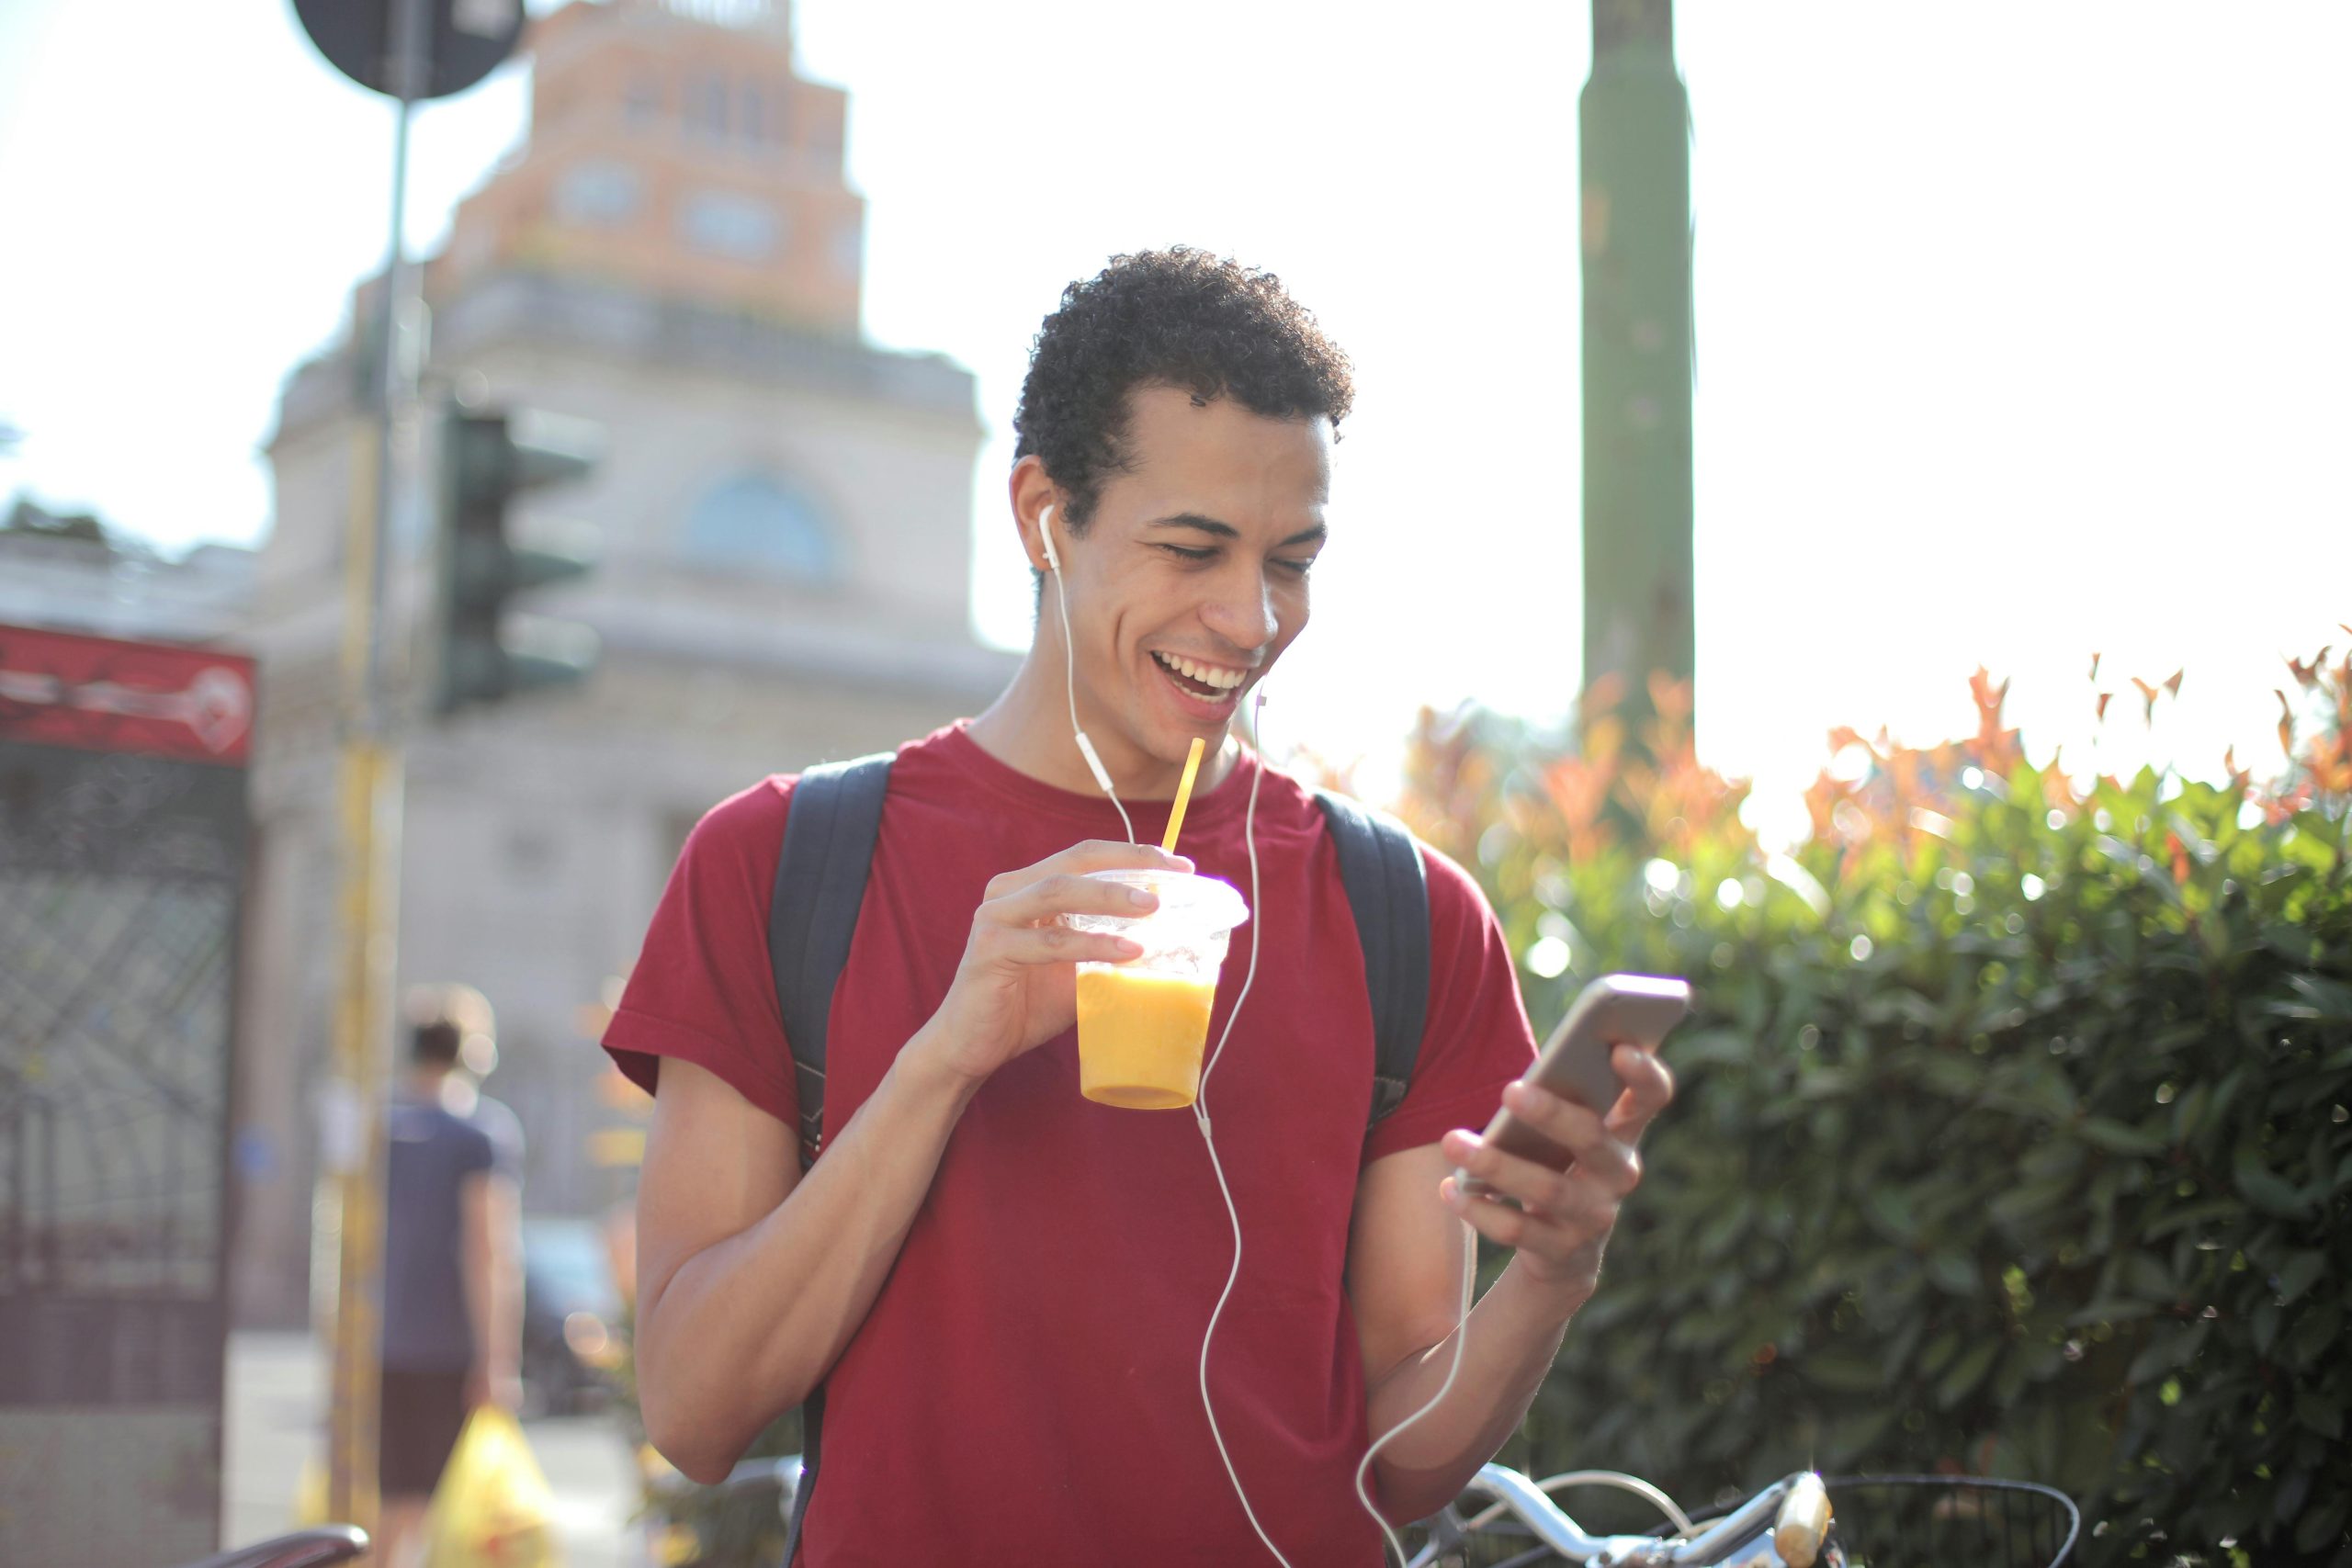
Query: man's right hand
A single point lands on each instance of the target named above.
(1017, 986)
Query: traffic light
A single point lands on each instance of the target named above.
(488, 651)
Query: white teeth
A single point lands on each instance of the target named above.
(1207, 674)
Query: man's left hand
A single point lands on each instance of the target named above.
(1564, 1217)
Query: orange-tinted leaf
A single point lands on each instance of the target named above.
(2173, 685)
(2147, 698)
(2103, 698)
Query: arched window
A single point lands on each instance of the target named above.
(707, 106)
(644, 96)
(753, 523)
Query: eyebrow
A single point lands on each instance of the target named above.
(1199, 523)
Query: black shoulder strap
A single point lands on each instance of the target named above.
(1382, 870)
(829, 833)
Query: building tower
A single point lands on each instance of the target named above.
(785, 514)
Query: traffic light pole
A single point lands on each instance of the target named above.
(370, 792)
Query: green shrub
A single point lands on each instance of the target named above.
(2011, 1135)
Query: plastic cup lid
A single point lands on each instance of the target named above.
(1202, 901)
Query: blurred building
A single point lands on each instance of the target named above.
(786, 519)
(73, 573)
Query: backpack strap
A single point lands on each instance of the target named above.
(1387, 891)
(828, 835)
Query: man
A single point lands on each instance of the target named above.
(453, 1289)
(1002, 1287)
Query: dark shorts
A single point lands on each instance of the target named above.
(423, 1414)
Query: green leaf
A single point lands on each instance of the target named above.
(2111, 1309)
(2116, 1138)
(2263, 1321)
(2024, 1202)
(2194, 1214)
(1967, 1373)
(1842, 1371)
(2319, 1413)
(2264, 1190)
(2300, 1273)
(2314, 1332)
(2325, 999)
(1953, 1274)
(1851, 1438)
(2143, 1276)
(2167, 1350)
(2323, 1526)
(1891, 1207)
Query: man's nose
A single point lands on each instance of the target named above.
(1242, 611)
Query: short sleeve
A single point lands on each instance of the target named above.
(703, 990)
(504, 1131)
(1477, 1038)
(475, 1152)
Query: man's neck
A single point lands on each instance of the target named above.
(1028, 730)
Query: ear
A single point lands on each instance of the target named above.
(1038, 509)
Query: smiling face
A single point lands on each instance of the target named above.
(1191, 577)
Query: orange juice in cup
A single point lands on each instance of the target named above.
(1142, 1025)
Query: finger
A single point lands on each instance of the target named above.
(1649, 1088)
(1091, 854)
(1111, 854)
(1055, 944)
(1586, 1216)
(1576, 1128)
(1499, 1223)
(1607, 1173)
(1065, 894)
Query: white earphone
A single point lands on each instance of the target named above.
(1085, 746)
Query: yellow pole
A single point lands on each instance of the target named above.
(369, 793)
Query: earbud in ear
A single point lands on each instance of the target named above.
(1046, 531)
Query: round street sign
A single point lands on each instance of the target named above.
(466, 40)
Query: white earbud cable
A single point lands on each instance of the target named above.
(1201, 1117)
(1069, 646)
(1461, 1338)
(1201, 1113)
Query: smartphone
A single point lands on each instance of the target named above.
(1615, 1009)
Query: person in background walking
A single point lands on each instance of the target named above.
(453, 1273)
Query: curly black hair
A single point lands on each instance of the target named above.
(1174, 317)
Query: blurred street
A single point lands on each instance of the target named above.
(274, 1425)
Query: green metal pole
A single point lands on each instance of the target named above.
(1636, 231)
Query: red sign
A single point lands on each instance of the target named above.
(101, 694)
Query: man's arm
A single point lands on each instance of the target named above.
(492, 1250)
(1405, 1270)
(752, 1278)
(745, 1299)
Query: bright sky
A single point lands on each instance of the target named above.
(2022, 327)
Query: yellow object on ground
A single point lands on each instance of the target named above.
(493, 1508)
(310, 1495)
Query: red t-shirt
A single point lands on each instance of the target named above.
(1027, 1386)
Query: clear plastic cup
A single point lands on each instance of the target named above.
(1142, 1025)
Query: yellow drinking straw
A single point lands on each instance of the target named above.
(1183, 794)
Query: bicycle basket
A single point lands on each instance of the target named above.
(1932, 1521)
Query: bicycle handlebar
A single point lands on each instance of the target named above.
(1526, 1502)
